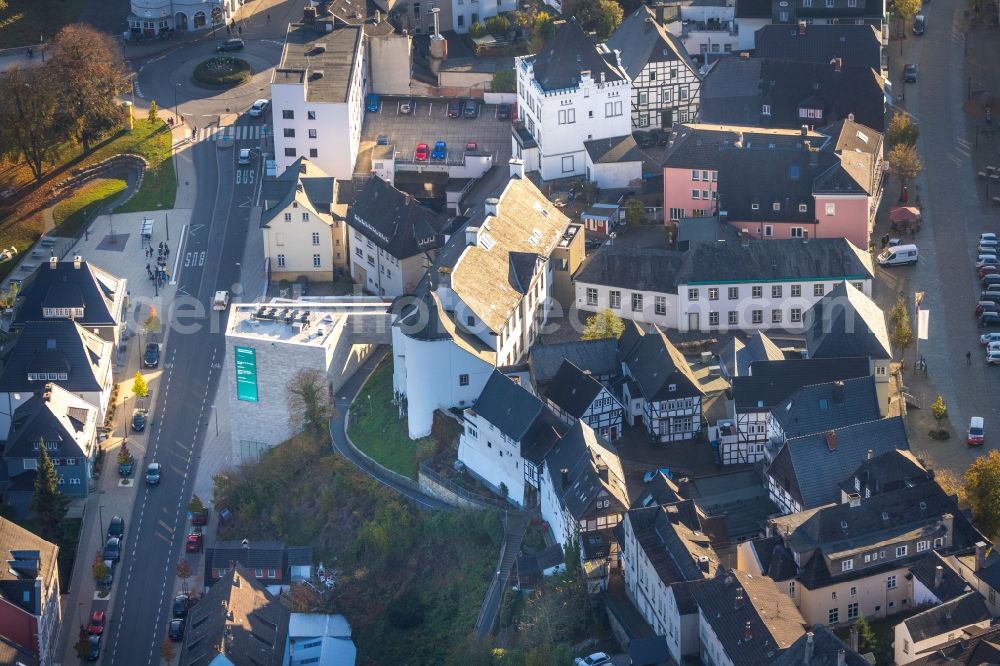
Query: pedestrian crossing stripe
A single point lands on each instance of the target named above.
(240, 133)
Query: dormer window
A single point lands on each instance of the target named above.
(61, 313)
(776, 206)
(803, 208)
(672, 387)
(807, 112)
(765, 110)
(755, 206)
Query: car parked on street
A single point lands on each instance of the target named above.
(910, 73)
(919, 24)
(990, 295)
(138, 420)
(176, 630)
(440, 150)
(455, 108)
(470, 109)
(987, 338)
(503, 112)
(987, 235)
(116, 528)
(235, 44)
(151, 355)
(988, 280)
(986, 306)
(110, 578)
(421, 153)
(113, 549)
(200, 519)
(181, 604)
(97, 622)
(987, 247)
(993, 358)
(93, 648)
(989, 320)
(987, 260)
(193, 542)
(382, 140)
(258, 108)
(153, 474)
(595, 659)
(987, 270)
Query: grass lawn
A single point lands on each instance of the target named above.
(23, 22)
(71, 214)
(377, 430)
(67, 551)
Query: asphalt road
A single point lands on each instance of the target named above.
(210, 252)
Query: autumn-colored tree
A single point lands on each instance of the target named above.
(153, 115)
(167, 651)
(139, 388)
(902, 129)
(904, 163)
(939, 411)
(604, 324)
(600, 16)
(99, 568)
(29, 127)
(981, 489)
(184, 571)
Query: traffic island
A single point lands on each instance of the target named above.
(222, 72)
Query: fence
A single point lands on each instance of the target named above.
(466, 494)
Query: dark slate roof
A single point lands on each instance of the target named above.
(257, 555)
(616, 150)
(507, 405)
(770, 382)
(278, 193)
(14, 585)
(299, 556)
(649, 651)
(670, 537)
(54, 345)
(599, 357)
(889, 471)
(780, 260)
(327, 72)
(845, 323)
(774, 621)
(828, 406)
(871, 9)
(753, 9)
(776, 560)
(949, 616)
(976, 651)
(735, 90)
(642, 40)
(812, 472)
(582, 452)
(925, 570)
(573, 390)
(824, 648)
(737, 355)
(395, 221)
(855, 45)
(239, 618)
(67, 286)
(570, 51)
(46, 415)
(656, 364)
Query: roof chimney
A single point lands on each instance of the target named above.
(938, 576)
(838, 64)
(810, 646)
(838, 392)
(76, 261)
(871, 454)
(492, 206)
(831, 440)
(738, 601)
(747, 632)
(805, 130)
(660, 13)
(53, 262)
(309, 15)
(437, 22)
(854, 499)
(648, 24)
(744, 238)
(980, 555)
(854, 637)
(564, 472)
(841, 657)
(802, 27)
(850, 116)
(471, 235)
(516, 168)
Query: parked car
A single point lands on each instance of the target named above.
(110, 578)
(116, 528)
(471, 147)
(987, 338)
(372, 103)
(245, 156)
(977, 431)
(990, 295)
(406, 107)
(910, 73)
(987, 247)
(440, 150)
(235, 44)
(153, 474)
(596, 659)
(421, 153)
(470, 109)
(97, 621)
(151, 355)
(193, 543)
(138, 420)
(988, 280)
(200, 519)
(382, 140)
(993, 358)
(993, 347)
(987, 270)
(989, 320)
(987, 260)
(986, 306)
(503, 112)
(93, 648)
(113, 549)
(181, 604)
(919, 24)
(258, 108)
(176, 630)
(455, 109)
(986, 235)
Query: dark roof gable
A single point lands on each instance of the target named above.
(395, 221)
(569, 53)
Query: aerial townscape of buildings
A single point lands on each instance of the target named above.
(638, 270)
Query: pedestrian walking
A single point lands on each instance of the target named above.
(239, 30)
(968, 358)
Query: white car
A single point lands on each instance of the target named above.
(987, 260)
(245, 155)
(987, 236)
(993, 358)
(987, 338)
(258, 108)
(993, 347)
(596, 659)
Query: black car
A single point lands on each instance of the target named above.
(644, 139)
(138, 420)
(116, 528)
(910, 73)
(181, 604)
(503, 112)
(455, 109)
(989, 320)
(93, 648)
(113, 549)
(176, 630)
(153, 474)
(470, 109)
(234, 44)
(151, 357)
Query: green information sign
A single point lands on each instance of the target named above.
(246, 374)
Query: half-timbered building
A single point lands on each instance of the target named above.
(575, 394)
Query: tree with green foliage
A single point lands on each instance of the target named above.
(504, 81)
(556, 611)
(902, 130)
(635, 211)
(29, 127)
(867, 642)
(981, 489)
(48, 504)
(902, 337)
(905, 164)
(99, 568)
(154, 112)
(477, 29)
(939, 411)
(906, 10)
(124, 455)
(599, 16)
(309, 402)
(604, 324)
(498, 26)
(139, 388)
(196, 506)
(471, 651)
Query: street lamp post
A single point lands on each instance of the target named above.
(100, 518)
(176, 114)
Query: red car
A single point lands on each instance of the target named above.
(988, 270)
(96, 626)
(422, 153)
(193, 543)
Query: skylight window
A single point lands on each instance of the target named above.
(486, 241)
(863, 136)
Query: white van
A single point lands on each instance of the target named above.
(898, 256)
(221, 300)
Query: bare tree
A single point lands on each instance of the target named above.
(309, 402)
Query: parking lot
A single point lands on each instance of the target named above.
(428, 123)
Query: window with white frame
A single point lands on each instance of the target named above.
(846, 565)
(692, 294)
(833, 616)
(775, 316)
(901, 551)
(695, 174)
(315, 238)
(734, 293)
(757, 316)
(615, 299)
(768, 230)
(317, 261)
(567, 164)
(923, 545)
(636, 302)
(733, 318)
(775, 291)
(660, 305)
(796, 232)
(695, 194)
(831, 209)
(591, 296)
(890, 582)
(852, 611)
(713, 293)
(819, 289)
(567, 116)
(795, 315)
(939, 542)
(713, 318)
(757, 291)
(281, 261)
(765, 109)
(288, 217)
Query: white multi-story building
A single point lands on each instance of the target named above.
(571, 92)
(722, 286)
(317, 94)
(465, 13)
(493, 289)
(156, 18)
(305, 235)
(665, 81)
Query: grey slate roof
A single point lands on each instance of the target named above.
(599, 357)
(278, 193)
(812, 472)
(776, 561)
(615, 150)
(573, 390)
(55, 345)
(322, 61)
(582, 452)
(753, 9)
(656, 364)
(889, 471)
(783, 260)
(949, 616)
(570, 51)
(670, 537)
(976, 651)
(642, 40)
(844, 323)
(829, 406)
(737, 355)
(856, 45)
(88, 286)
(823, 646)
(773, 620)
(508, 406)
(770, 382)
(395, 221)
(52, 415)
(925, 570)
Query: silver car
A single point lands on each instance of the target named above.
(258, 108)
